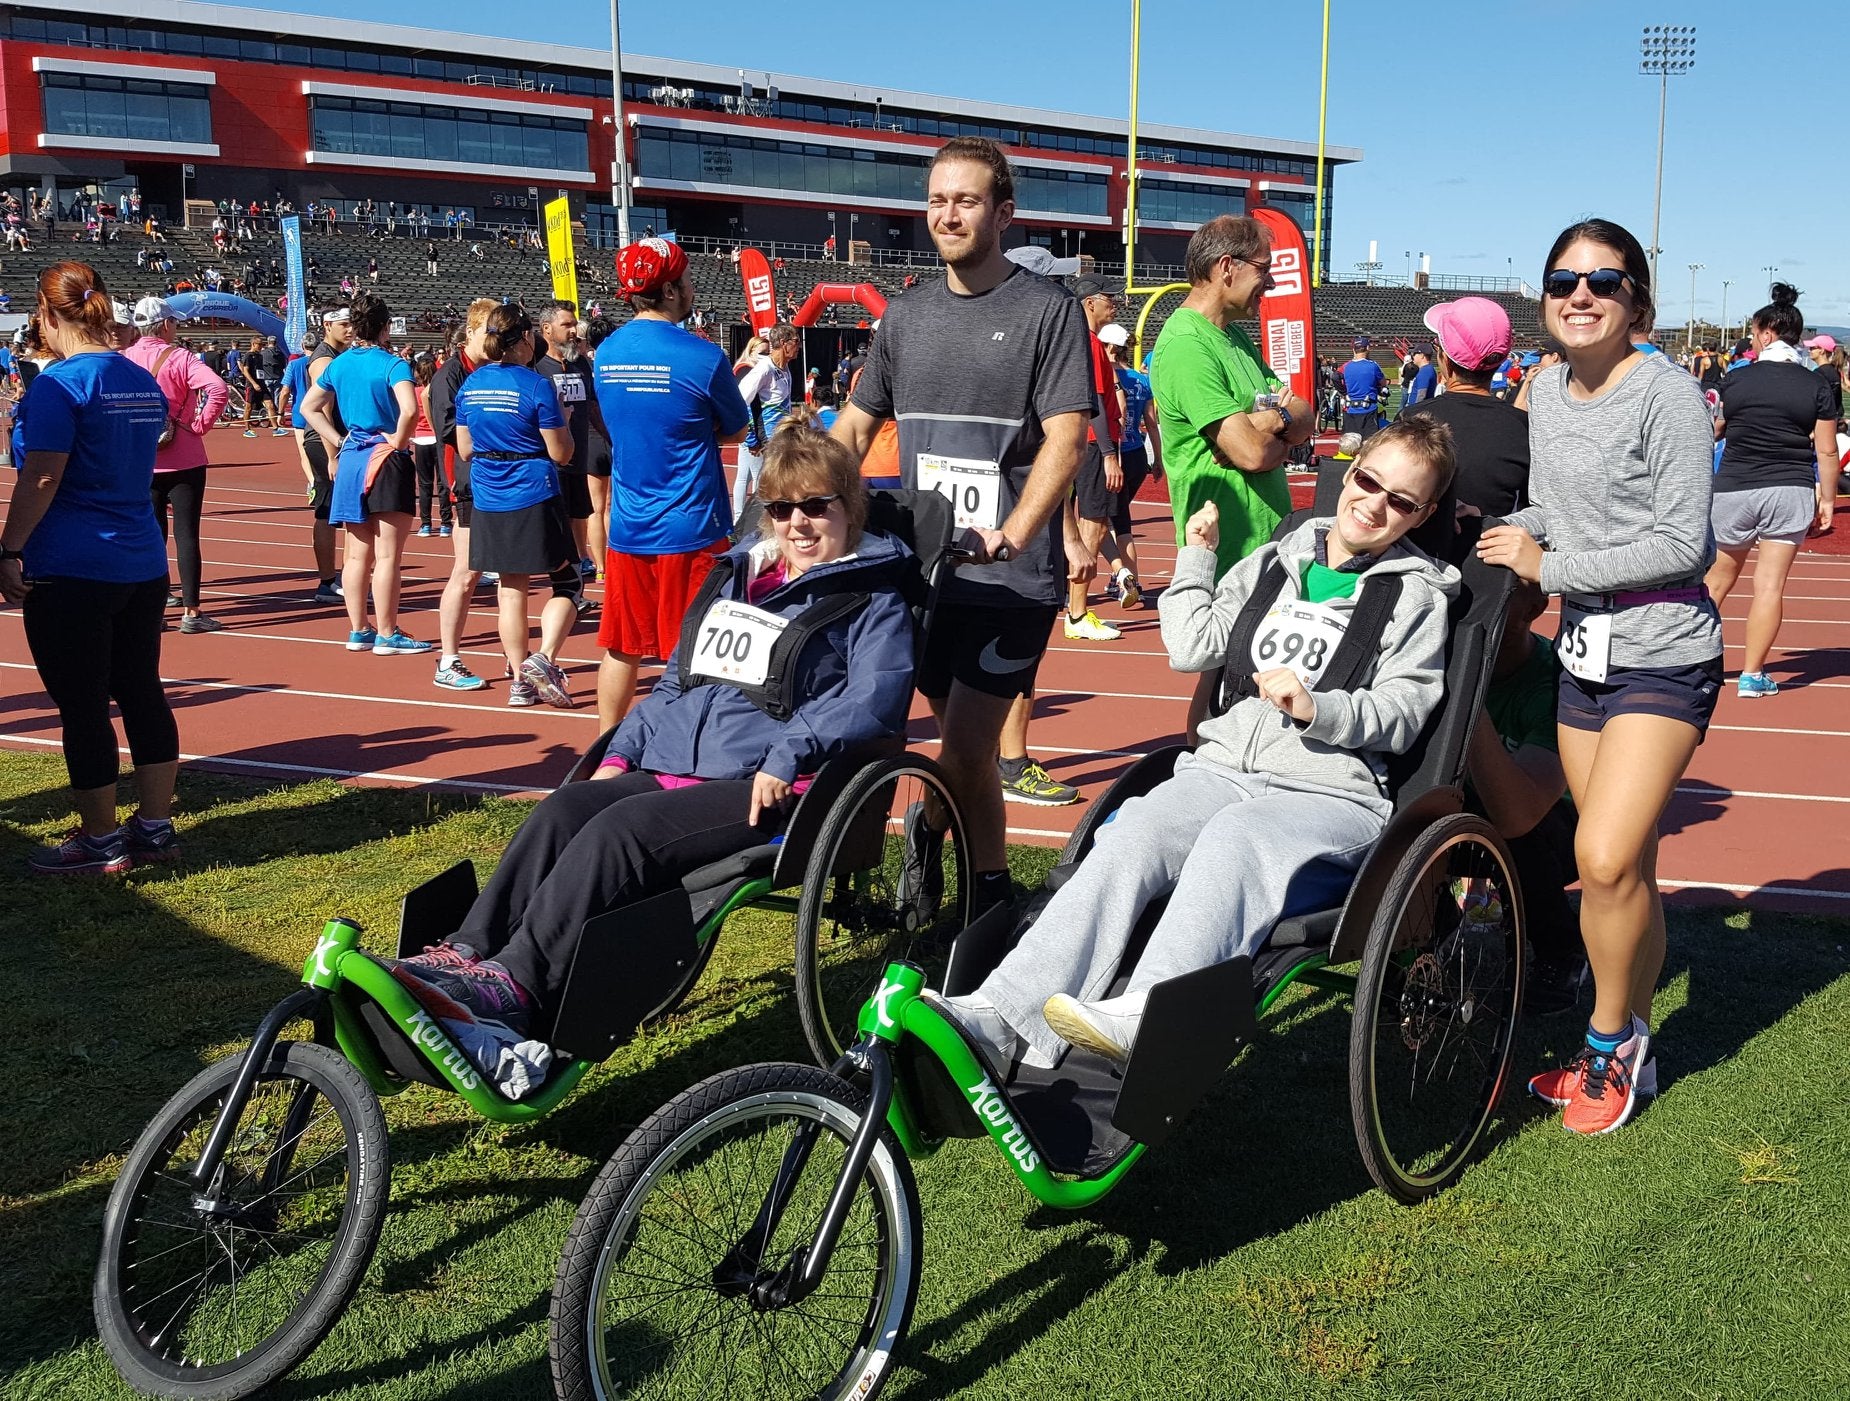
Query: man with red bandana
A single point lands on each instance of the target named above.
(670, 401)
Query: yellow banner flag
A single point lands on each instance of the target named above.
(559, 250)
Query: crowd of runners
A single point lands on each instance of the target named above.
(553, 451)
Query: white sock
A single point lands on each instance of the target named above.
(448, 658)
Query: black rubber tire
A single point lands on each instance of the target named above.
(1420, 948)
(829, 999)
(366, 1163)
(609, 1225)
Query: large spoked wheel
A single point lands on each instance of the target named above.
(217, 1290)
(876, 890)
(668, 1284)
(1436, 1007)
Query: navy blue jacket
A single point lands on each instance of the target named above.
(853, 681)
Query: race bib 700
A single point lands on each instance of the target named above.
(735, 641)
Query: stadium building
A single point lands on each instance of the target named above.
(212, 102)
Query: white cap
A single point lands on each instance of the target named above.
(1113, 334)
(151, 311)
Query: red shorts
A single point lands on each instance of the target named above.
(646, 597)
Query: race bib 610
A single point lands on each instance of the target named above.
(1299, 635)
(735, 643)
(972, 486)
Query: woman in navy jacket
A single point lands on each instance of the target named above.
(708, 764)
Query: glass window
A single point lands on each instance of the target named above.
(134, 110)
(296, 55)
(220, 47)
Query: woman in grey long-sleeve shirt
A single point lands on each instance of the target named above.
(1620, 478)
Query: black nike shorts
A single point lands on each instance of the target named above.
(993, 650)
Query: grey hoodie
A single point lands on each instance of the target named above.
(1346, 742)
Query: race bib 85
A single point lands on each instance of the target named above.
(1299, 635)
(735, 643)
(972, 486)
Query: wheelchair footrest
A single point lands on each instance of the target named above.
(630, 961)
(436, 909)
(978, 948)
(1192, 1028)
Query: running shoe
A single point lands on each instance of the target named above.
(483, 989)
(457, 677)
(78, 855)
(150, 842)
(362, 641)
(249, 433)
(396, 642)
(279, 432)
(444, 531)
(490, 579)
(199, 622)
(1107, 1028)
(544, 675)
(175, 601)
(425, 532)
(522, 692)
(1090, 628)
(1129, 593)
(587, 567)
(584, 606)
(340, 587)
(1024, 781)
(1754, 684)
(921, 867)
(1557, 1086)
(1606, 1094)
(326, 593)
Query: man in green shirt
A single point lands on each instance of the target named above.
(1226, 420)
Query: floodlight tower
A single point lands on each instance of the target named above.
(1690, 336)
(1666, 51)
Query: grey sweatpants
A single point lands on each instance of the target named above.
(1235, 852)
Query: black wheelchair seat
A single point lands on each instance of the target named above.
(710, 886)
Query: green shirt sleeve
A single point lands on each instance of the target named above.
(1195, 386)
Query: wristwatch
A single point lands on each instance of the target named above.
(6, 554)
(1283, 413)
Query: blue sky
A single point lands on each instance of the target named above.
(1486, 128)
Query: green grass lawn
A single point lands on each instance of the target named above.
(1702, 1253)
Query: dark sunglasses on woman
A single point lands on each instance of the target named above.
(1405, 505)
(1604, 283)
(815, 507)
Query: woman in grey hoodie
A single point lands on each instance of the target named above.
(1285, 793)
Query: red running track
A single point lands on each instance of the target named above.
(277, 694)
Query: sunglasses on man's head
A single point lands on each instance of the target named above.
(1601, 282)
(811, 506)
(1405, 505)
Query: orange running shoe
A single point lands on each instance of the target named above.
(1607, 1095)
(1557, 1086)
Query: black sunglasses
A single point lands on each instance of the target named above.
(1601, 282)
(812, 506)
(1405, 505)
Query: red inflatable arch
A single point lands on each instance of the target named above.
(862, 294)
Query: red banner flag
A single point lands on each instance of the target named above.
(1287, 336)
(760, 294)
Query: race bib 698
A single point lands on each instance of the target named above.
(1298, 635)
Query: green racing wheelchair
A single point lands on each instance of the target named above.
(761, 1233)
(247, 1213)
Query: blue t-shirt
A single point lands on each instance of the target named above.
(361, 380)
(1362, 385)
(1425, 385)
(1137, 396)
(666, 395)
(106, 413)
(295, 380)
(504, 407)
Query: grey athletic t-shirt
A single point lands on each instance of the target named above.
(969, 380)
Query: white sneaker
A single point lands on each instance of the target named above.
(982, 1021)
(1128, 593)
(1106, 1028)
(1090, 628)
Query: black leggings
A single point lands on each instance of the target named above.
(427, 458)
(186, 492)
(94, 642)
(590, 847)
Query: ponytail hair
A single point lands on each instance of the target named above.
(507, 326)
(74, 292)
(1781, 316)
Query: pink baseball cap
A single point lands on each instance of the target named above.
(1474, 332)
(1828, 344)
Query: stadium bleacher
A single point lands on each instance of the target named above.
(481, 264)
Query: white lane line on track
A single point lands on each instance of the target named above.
(415, 780)
(1747, 888)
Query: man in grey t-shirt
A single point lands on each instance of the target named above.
(988, 374)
